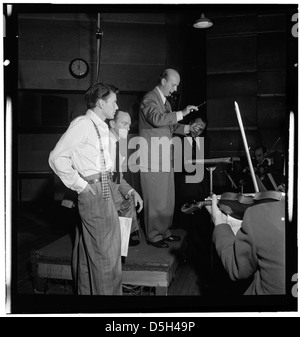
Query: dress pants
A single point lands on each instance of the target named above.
(159, 201)
(96, 260)
(126, 208)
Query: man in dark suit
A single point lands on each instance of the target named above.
(188, 191)
(126, 197)
(257, 250)
(197, 225)
(157, 123)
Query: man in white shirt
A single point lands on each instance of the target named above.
(81, 159)
(127, 198)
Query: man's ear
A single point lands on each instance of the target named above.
(111, 123)
(101, 103)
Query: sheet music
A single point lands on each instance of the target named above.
(125, 225)
(234, 224)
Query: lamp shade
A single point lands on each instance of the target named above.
(203, 22)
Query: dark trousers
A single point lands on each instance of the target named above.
(159, 201)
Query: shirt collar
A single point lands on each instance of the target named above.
(162, 95)
(98, 121)
(113, 135)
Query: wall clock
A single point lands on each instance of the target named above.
(79, 68)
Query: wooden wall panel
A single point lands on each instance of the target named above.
(31, 108)
(221, 112)
(271, 22)
(52, 75)
(45, 53)
(271, 112)
(128, 44)
(132, 77)
(234, 54)
(36, 147)
(56, 76)
(224, 143)
(56, 40)
(231, 85)
(271, 82)
(233, 25)
(271, 51)
(135, 17)
(246, 63)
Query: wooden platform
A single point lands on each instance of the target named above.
(144, 266)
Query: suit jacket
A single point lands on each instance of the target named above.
(155, 122)
(257, 250)
(124, 187)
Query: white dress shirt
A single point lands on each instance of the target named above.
(179, 114)
(77, 153)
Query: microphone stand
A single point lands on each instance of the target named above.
(99, 35)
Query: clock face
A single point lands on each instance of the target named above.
(79, 68)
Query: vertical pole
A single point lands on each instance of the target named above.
(98, 35)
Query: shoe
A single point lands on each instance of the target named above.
(158, 244)
(133, 243)
(172, 238)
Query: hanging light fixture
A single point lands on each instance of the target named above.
(203, 22)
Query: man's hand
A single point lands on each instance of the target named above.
(137, 200)
(88, 189)
(188, 109)
(217, 216)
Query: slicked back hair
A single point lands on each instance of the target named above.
(98, 91)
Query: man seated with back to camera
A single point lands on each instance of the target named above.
(257, 251)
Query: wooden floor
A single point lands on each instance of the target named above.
(38, 226)
(200, 283)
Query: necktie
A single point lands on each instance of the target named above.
(194, 148)
(117, 168)
(167, 107)
(103, 173)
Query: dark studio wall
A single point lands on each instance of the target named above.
(242, 58)
(246, 63)
(49, 97)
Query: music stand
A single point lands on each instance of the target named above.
(211, 169)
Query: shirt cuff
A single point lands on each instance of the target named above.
(130, 192)
(179, 116)
(186, 129)
(80, 185)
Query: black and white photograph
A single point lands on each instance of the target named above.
(150, 159)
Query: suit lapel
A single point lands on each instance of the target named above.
(159, 99)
